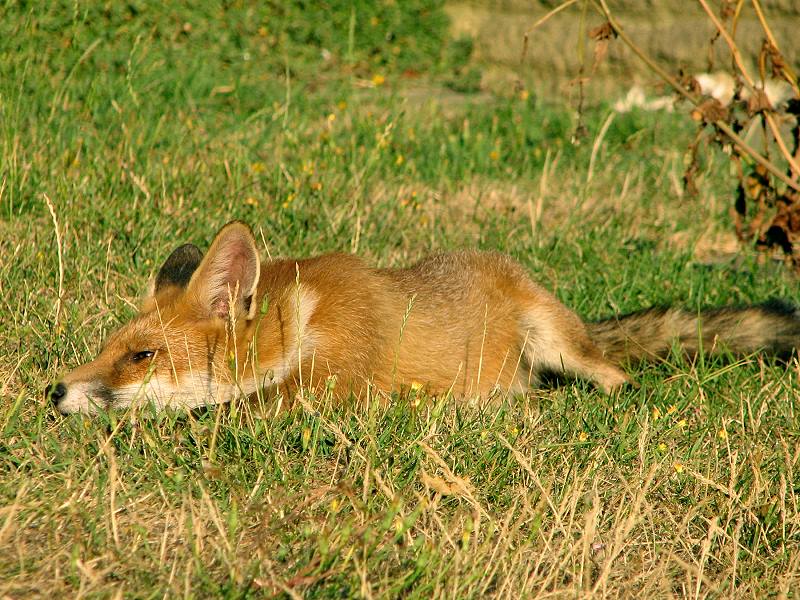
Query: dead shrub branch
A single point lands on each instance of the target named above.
(768, 189)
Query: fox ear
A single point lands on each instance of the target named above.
(228, 273)
(178, 268)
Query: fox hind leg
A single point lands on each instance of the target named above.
(556, 340)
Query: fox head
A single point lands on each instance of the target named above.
(183, 347)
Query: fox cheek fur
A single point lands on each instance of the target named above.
(221, 325)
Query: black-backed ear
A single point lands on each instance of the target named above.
(228, 273)
(177, 270)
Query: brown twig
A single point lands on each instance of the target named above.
(785, 68)
(737, 57)
(541, 22)
(736, 14)
(782, 145)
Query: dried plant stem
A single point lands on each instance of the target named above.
(773, 126)
(736, 14)
(737, 57)
(721, 125)
(787, 70)
(541, 22)
(60, 259)
(753, 153)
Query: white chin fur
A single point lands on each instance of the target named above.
(161, 392)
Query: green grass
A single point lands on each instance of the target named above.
(144, 138)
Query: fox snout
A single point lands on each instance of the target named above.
(69, 397)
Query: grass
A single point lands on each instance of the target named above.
(144, 139)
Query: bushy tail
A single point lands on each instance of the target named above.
(773, 327)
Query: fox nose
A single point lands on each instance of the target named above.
(55, 393)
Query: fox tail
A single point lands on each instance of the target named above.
(773, 327)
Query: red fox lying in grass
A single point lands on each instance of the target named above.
(226, 325)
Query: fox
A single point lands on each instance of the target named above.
(217, 327)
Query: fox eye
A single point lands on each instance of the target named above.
(140, 356)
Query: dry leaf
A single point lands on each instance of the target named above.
(710, 111)
(603, 32)
(456, 487)
(758, 102)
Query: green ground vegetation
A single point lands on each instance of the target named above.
(147, 125)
